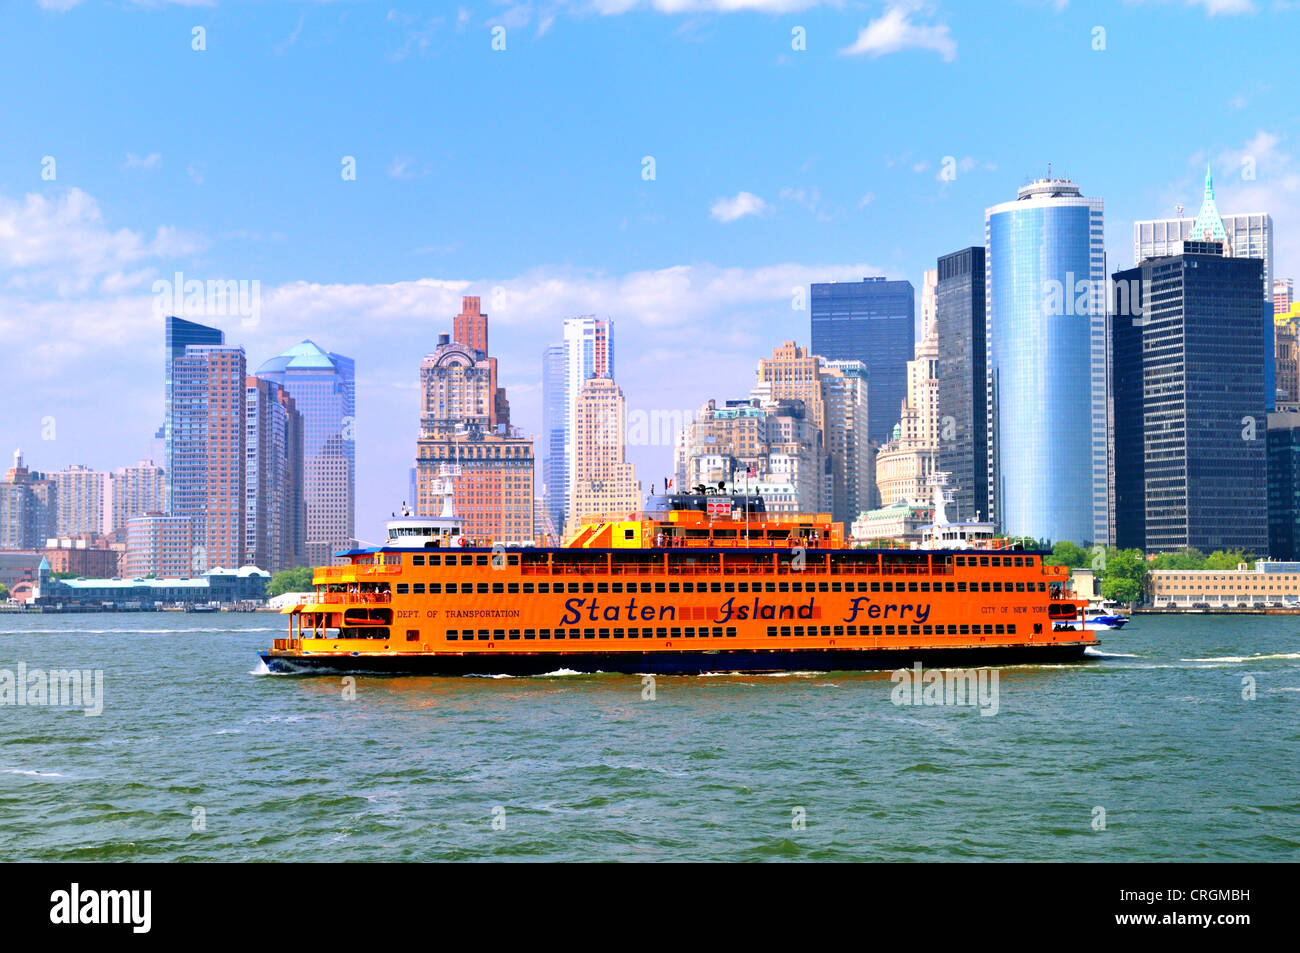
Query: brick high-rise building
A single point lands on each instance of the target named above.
(29, 505)
(205, 443)
(604, 482)
(161, 546)
(137, 490)
(465, 437)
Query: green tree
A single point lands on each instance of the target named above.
(1125, 576)
(4, 591)
(63, 575)
(1227, 559)
(1066, 553)
(1187, 558)
(290, 580)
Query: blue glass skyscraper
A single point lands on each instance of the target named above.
(1045, 267)
(871, 321)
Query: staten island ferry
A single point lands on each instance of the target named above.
(696, 583)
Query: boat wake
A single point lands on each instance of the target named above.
(1246, 658)
(1098, 653)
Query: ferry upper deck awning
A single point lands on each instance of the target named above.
(293, 610)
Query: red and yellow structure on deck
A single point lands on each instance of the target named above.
(704, 585)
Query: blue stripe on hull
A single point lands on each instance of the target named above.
(673, 662)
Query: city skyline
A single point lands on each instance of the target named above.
(698, 265)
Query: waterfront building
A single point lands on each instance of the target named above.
(1188, 377)
(871, 321)
(1045, 293)
(323, 387)
(604, 482)
(85, 554)
(275, 515)
(161, 545)
(136, 490)
(463, 439)
(900, 521)
(1259, 586)
(29, 507)
(962, 403)
(225, 586)
(82, 500)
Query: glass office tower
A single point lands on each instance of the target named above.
(871, 321)
(1045, 275)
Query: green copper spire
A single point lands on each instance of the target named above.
(1208, 226)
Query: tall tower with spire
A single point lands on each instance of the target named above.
(1208, 226)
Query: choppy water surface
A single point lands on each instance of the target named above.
(1157, 735)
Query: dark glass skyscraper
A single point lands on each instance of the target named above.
(871, 321)
(178, 334)
(1284, 485)
(963, 427)
(1189, 385)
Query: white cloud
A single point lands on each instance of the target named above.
(143, 163)
(744, 203)
(1214, 8)
(895, 30)
(62, 243)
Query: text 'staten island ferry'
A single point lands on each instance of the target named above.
(697, 583)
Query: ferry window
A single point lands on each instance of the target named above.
(889, 586)
(528, 588)
(403, 588)
(480, 560)
(690, 632)
(948, 587)
(645, 587)
(728, 587)
(798, 631)
(616, 587)
(1020, 560)
(984, 587)
(633, 633)
(543, 587)
(875, 630)
(604, 633)
(464, 560)
(826, 630)
(999, 628)
(482, 587)
(512, 559)
(1011, 628)
(661, 633)
(1042, 587)
(925, 587)
(530, 633)
(796, 587)
(785, 632)
(544, 635)
(512, 587)
(674, 587)
(590, 634)
(771, 631)
(911, 587)
(561, 633)
(482, 635)
(836, 586)
(659, 587)
(1020, 587)
(731, 631)
(629, 534)
(965, 630)
(435, 588)
(573, 586)
(927, 630)
(839, 630)
(823, 587)
(690, 586)
(853, 629)
(574, 633)
(916, 630)
(452, 635)
(997, 587)
(960, 560)
(618, 633)
(875, 587)
(417, 560)
(514, 634)
(676, 633)
(988, 629)
(984, 560)
(418, 589)
(588, 587)
(715, 587)
(498, 634)
(783, 587)
(889, 630)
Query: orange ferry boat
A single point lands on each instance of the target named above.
(699, 583)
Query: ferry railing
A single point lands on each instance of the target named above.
(366, 598)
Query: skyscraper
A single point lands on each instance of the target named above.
(963, 409)
(205, 443)
(906, 461)
(137, 490)
(871, 321)
(1045, 276)
(489, 463)
(178, 335)
(587, 351)
(323, 387)
(82, 500)
(29, 507)
(1246, 236)
(1284, 485)
(1282, 295)
(1188, 377)
(604, 482)
(275, 515)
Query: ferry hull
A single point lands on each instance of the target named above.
(666, 662)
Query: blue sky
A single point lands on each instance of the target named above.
(517, 174)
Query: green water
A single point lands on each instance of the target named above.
(586, 768)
